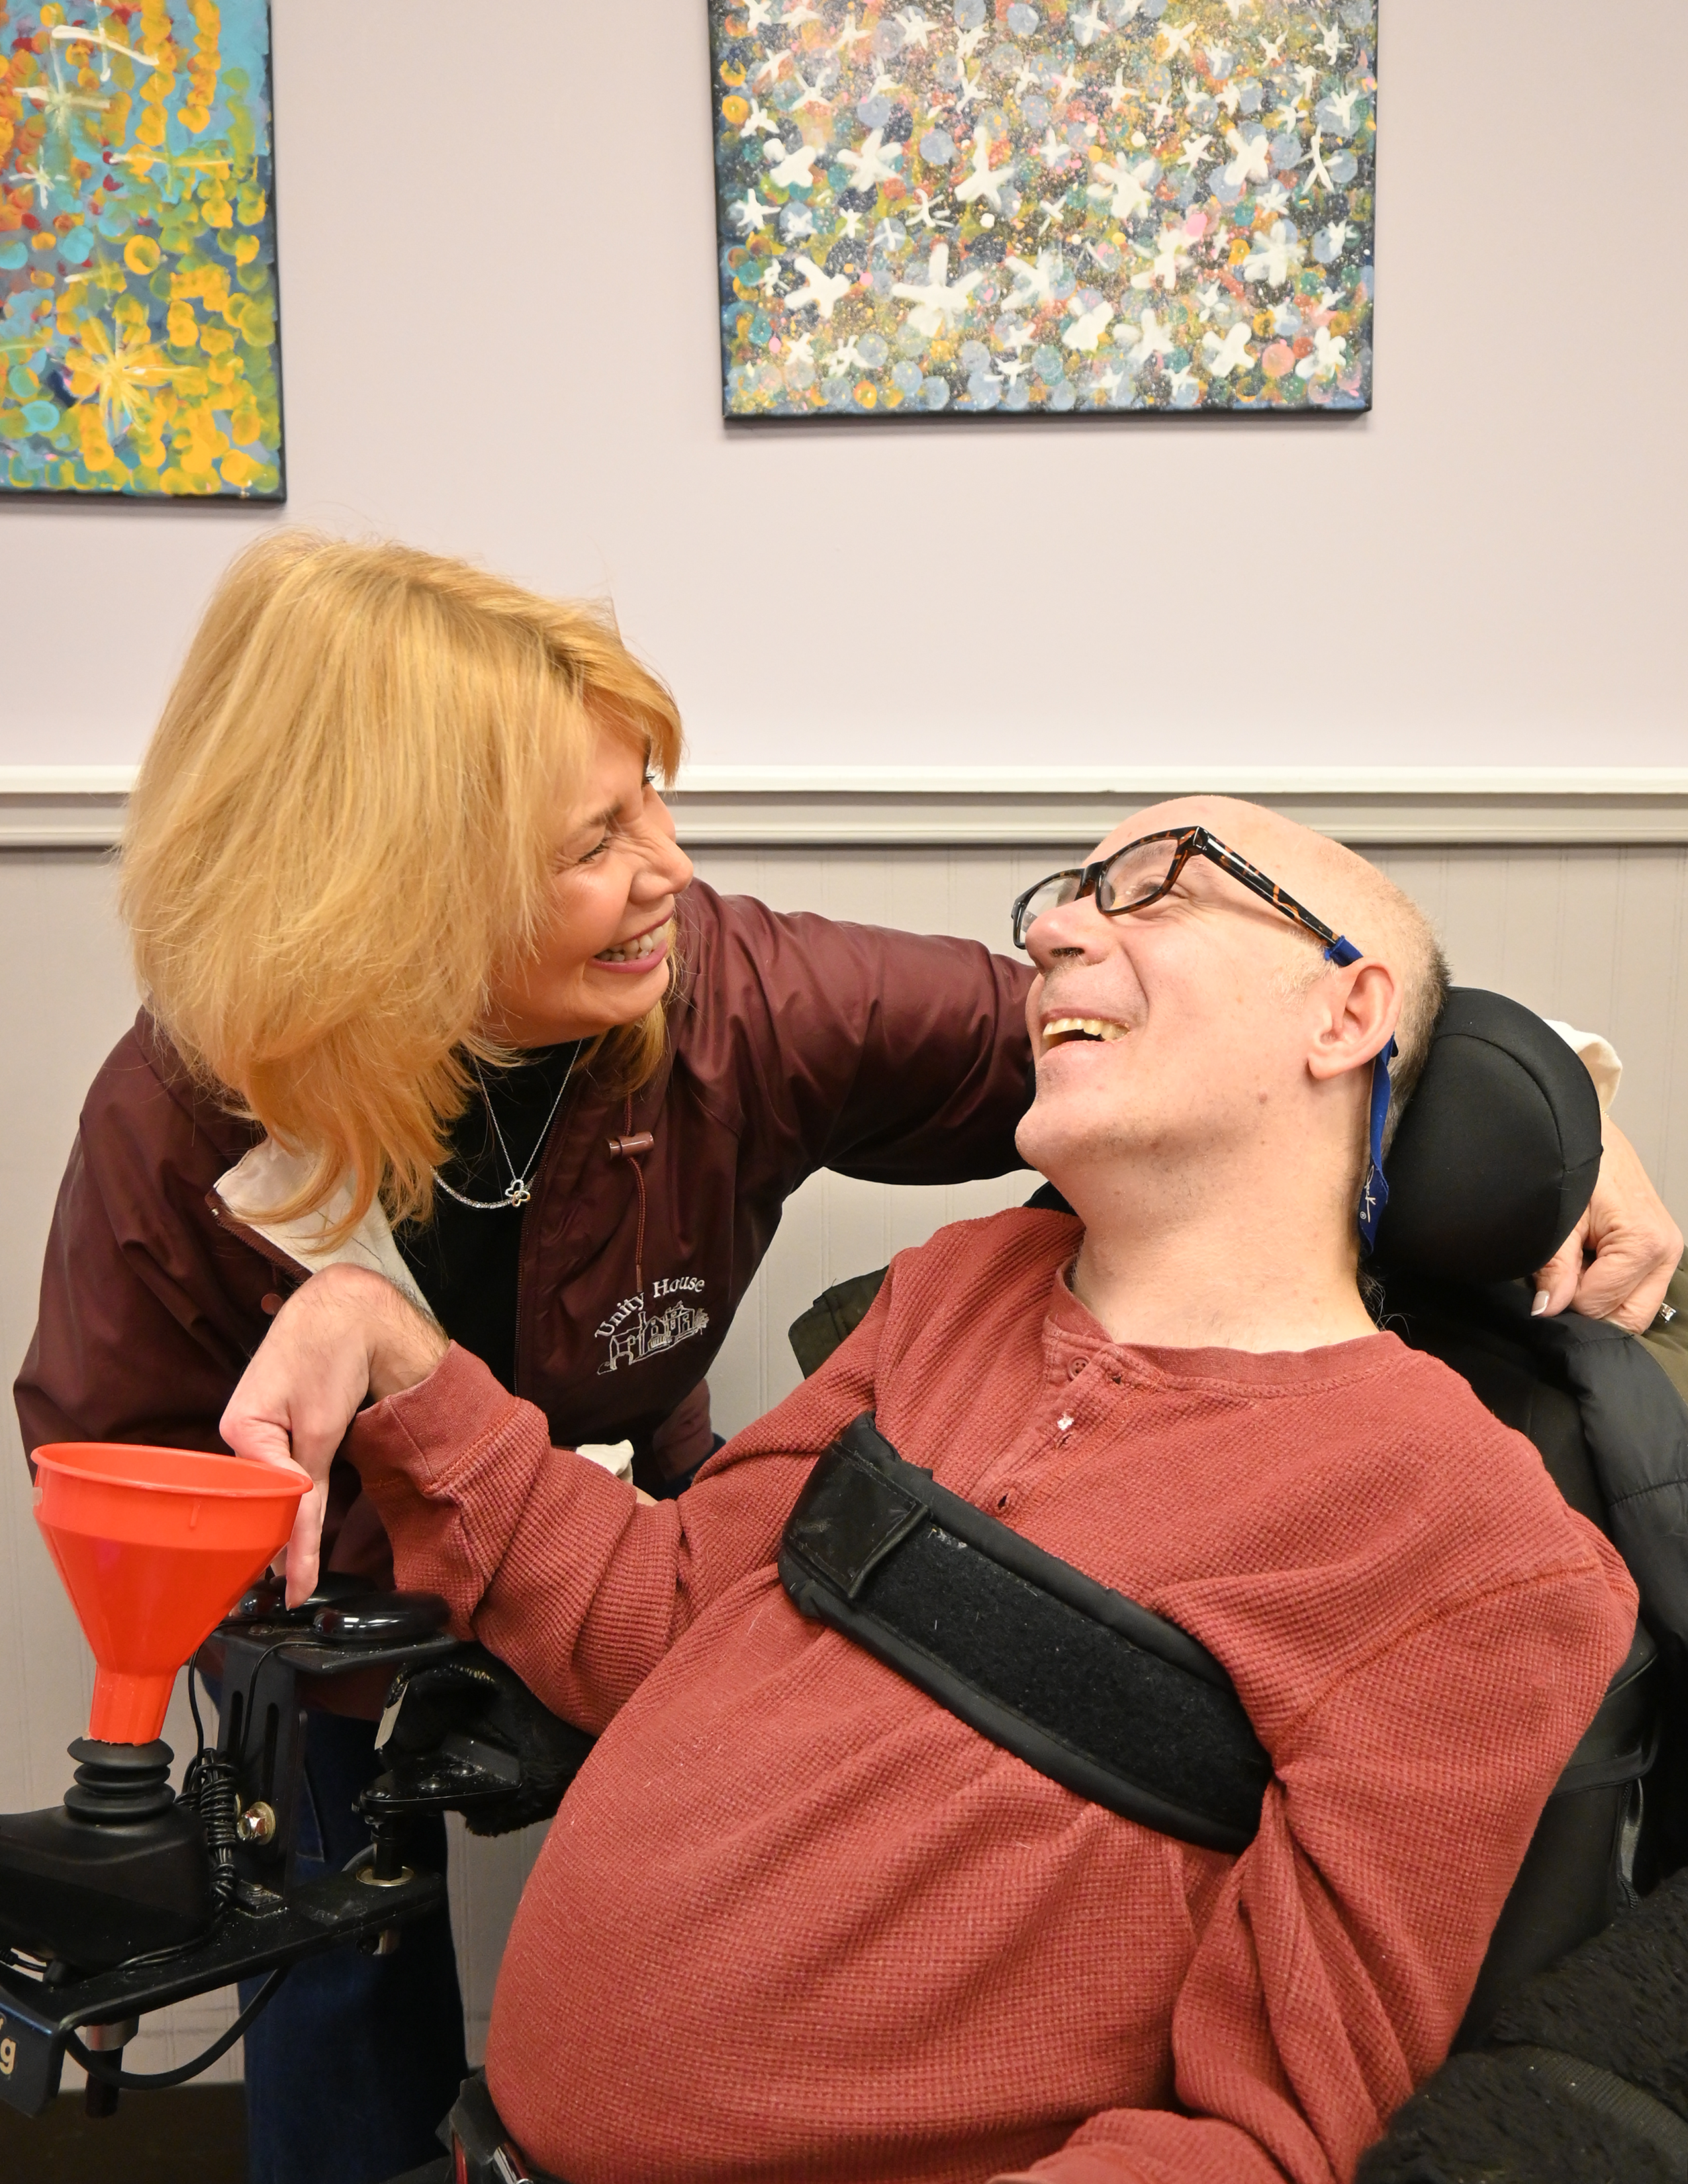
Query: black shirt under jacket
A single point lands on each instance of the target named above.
(467, 1262)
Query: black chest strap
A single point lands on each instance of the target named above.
(1081, 1683)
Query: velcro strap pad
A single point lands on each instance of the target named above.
(1096, 1692)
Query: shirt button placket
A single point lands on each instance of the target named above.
(1075, 1369)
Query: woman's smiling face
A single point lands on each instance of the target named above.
(601, 956)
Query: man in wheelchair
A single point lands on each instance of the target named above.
(924, 1838)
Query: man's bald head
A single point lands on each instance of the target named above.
(1339, 887)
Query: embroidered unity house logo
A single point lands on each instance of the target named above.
(635, 1331)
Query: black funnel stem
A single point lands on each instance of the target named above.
(116, 1783)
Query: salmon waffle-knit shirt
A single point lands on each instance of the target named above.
(795, 1920)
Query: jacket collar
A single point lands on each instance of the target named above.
(247, 1195)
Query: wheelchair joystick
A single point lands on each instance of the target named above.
(120, 1868)
(126, 1897)
(116, 1783)
(153, 1545)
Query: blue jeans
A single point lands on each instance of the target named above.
(357, 2060)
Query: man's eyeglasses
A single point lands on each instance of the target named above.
(1143, 872)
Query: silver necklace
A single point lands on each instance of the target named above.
(519, 1189)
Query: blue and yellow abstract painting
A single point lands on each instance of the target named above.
(1030, 207)
(139, 353)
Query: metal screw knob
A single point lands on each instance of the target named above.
(257, 1824)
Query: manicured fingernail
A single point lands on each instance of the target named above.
(1540, 1306)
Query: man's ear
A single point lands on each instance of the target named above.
(1359, 1009)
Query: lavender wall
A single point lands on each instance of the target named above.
(1475, 574)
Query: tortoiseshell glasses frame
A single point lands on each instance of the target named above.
(1144, 872)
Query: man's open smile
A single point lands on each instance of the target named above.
(1065, 1031)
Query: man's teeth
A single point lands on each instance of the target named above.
(630, 950)
(1060, 1028)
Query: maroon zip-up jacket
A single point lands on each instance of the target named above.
(795, 1043)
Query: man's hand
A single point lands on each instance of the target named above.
(1635, 1244)
(345, 1334)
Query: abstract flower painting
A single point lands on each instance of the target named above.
(138, 345)
(1062, 207)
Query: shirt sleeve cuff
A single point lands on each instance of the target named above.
(430, 1432)
(1599, 1058)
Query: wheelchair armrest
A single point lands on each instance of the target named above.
(462, 1733)
(1620, 1744)
(1578, 1873)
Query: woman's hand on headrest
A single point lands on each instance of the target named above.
(1635, 1246)
(345, 1335)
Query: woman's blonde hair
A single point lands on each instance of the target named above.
(343, 828)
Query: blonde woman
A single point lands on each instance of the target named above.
(430, 990)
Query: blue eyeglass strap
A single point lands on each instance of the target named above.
(1374, 1191)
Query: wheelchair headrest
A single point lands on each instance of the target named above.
(1497, 1156)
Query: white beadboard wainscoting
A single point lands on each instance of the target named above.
(1571, 893)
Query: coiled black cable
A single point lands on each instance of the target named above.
(211, 1788)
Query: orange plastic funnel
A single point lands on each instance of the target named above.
(155, 1545)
